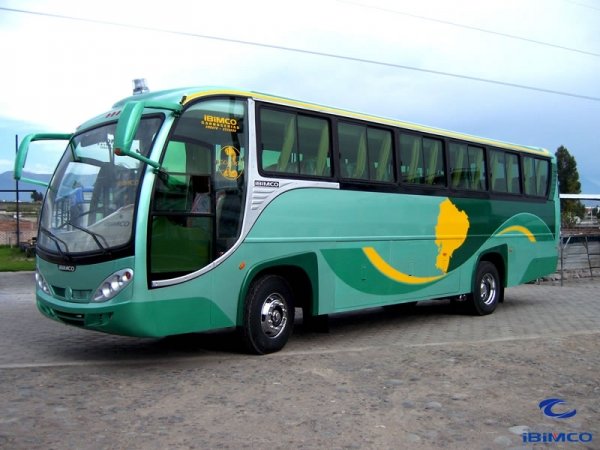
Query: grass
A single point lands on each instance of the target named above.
(12, 259)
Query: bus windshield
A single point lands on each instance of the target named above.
(90, 201)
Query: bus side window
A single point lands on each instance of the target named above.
(422, 161)
(278, 141)
(460, 176)
(498, 171)
(467, 165)
(529, 176)
(535, 175)
(353, 150)
(512, 174)
(433, 160)
(542, 167)
(292, 143)
(477, 168)
(365, 153)
(411, 156)
(380, 153)
(314, 148)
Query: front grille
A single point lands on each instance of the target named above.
(81, 295)
(72, 295)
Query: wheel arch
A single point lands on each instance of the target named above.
(498, 256)
(300, 271)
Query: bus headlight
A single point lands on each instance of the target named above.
(41, 282)
(113, 285)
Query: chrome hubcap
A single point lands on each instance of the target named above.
(273, 315)
(487, 290)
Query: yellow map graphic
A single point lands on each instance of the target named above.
(450, 233)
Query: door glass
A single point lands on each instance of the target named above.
(197, 202)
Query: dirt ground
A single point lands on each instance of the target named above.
(455, 396)
(366, 384)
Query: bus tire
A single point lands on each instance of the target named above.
(488, 289)
(268, 315)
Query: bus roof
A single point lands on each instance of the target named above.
(185, 95)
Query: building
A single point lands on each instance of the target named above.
(8, 229)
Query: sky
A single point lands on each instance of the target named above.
(522, 71)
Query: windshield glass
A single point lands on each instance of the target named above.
(90, 201)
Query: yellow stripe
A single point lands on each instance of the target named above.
(367, 117)
(392, 273)
(519, 229)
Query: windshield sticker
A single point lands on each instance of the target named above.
(229, 165)
(219, 123)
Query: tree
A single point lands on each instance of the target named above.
(568, 183)
(37, 196)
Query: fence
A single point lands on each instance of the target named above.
(579, 254)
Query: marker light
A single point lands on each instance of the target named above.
(113, 285)
(140, 86)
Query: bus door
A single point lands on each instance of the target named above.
(197, 206)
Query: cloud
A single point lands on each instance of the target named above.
(67, 71)
(5, 165)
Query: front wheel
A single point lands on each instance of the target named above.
(268, 315)
(487, 289)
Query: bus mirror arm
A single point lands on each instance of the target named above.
(127, 126)
(24, 148)
(162, 174)
(121, 152)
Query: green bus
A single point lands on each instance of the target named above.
(189, 210)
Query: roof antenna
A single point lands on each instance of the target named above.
(140, 86)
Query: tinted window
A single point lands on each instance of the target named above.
(467, 167)
(535, 176)
(365, 152)
(505, 174)
(294, 143)
(421, 161)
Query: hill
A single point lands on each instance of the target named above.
(7, 182)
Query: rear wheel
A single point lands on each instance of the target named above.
(268, 315)
(487, 289)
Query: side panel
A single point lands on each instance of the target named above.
(377, 248)
(358, 249)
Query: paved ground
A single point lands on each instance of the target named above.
(430, 378)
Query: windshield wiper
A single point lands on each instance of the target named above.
(56, 240)
(95, 236)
